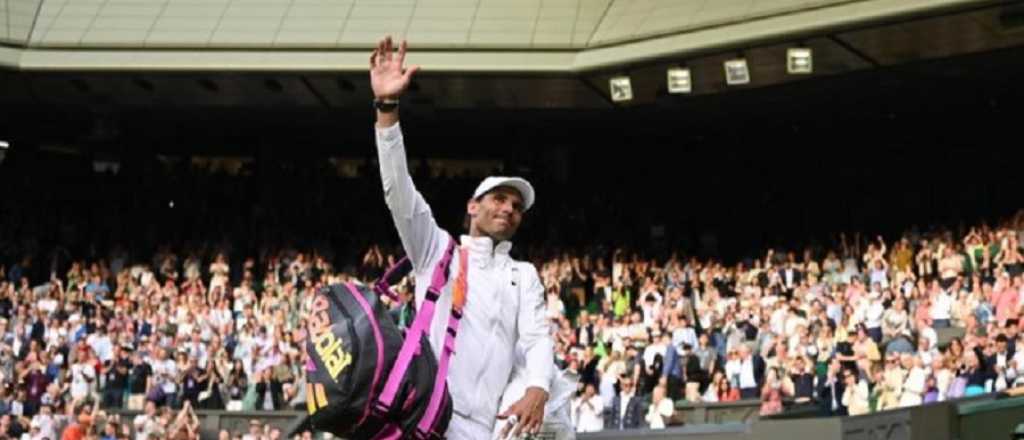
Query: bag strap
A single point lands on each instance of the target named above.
(460, 289)
(393, 275)
(424, 317)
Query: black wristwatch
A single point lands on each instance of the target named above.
(385, 105)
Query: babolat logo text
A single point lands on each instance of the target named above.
(328, 347)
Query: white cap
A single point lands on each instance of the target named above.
(520, 184)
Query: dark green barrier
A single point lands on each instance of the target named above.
(980, 418)
(211, 422)
(995, 419)
(742, 411)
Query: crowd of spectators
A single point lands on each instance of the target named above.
(214, 320)
(867, 326)
(853, 330)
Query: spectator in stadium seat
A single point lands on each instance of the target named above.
(82, 422)
(895, 321)
(115, 381)
(914, 384)
(626, 410)
(269, 391)
(256, 430)
(148, 422)
(588, 410)
(83, 375)
(774, 390)
(660, 410)
(10, 427)
(941, 304)
(978, 375)
(672, 371)
(891, 386)
(802, 377)
(751, 373)
(832, 389)
(1007, 300)
(855, 394)
(726, 392)
(192, 378)
(139, 382)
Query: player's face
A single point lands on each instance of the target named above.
(497, 214)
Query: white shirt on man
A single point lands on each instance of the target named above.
(102, 346)
(914, 387)
(652, 351)
(942, 305)
(684, 335)
(659, 412)
(47, 425)
(624, 399)
(873, 315)
(747, 379)
(83, 375)
(166, 372)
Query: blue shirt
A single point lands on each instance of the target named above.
(671, 366)
(97, 289)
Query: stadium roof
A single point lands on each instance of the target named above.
(536, 36)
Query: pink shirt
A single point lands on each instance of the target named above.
(1007, 302)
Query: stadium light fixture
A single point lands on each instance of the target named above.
(799, 61)
(621, 89)
(679, 80)
(737, 72)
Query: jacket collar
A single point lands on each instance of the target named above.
(483, 251)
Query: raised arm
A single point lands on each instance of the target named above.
(413, 218)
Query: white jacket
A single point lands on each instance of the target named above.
(914, 387)
(504, 301)
(558, 423)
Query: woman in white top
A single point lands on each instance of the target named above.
(555, 306)
(856, 394)
(660, 410)
(950, 266)
(914, 384)
(83, 376)
(588, 411)
(880, 273)
(943, 375)
(896, 320)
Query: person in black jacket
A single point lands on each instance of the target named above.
(830, 390)
(627, 409)
(268, 384)
(803, 380)
(752, 372)
(977, 372)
